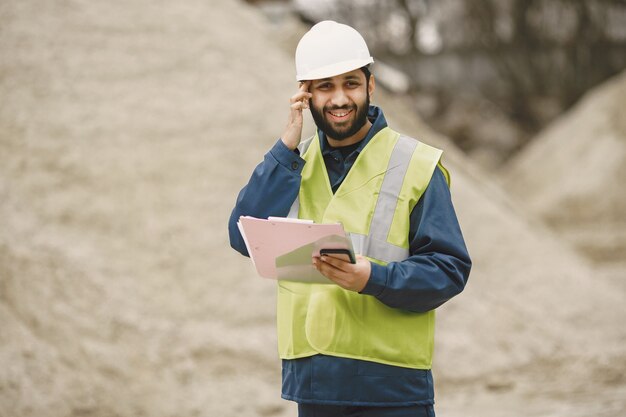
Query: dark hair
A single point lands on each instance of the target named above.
(366, 71)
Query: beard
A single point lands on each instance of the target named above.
(340, 131)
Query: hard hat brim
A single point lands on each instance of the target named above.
(334, 69)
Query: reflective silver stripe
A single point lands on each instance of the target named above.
(378, 249)
(304, 145)
(375, 245)
(295, 207)
(390, 189)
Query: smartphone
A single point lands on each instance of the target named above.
(343, 254)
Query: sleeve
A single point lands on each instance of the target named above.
(439, 264)
(271, 190)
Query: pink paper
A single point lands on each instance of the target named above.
(266, 240)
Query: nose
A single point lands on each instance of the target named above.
(339, 98)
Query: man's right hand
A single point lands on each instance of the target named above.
(293, 132)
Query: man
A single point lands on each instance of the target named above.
(362, 347)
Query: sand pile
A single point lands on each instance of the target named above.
(127, 130)
(573, 175)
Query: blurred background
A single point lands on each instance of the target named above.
(127, 129)
(489, 74)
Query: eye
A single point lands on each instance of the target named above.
(353, 84)
(324, 86)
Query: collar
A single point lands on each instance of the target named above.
(375, 115)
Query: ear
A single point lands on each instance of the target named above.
(371, 85)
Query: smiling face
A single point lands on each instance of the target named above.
(339, 106)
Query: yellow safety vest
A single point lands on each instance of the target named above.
(374, 204)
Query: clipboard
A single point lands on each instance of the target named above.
(281, 248)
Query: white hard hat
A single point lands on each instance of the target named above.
(328, 49)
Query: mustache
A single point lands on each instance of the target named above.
(344, 107)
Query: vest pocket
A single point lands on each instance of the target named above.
(346, 324)
(324, 319)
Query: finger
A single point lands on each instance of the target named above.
(298, 105)
(305, 85)
(300, 96)
(296, 112)
(336, 262)
(304, 102)
(303, 92)
(337, 276)
(323, 267)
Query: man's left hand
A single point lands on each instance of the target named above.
(350, 276)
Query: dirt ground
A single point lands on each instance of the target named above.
(126, 131)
